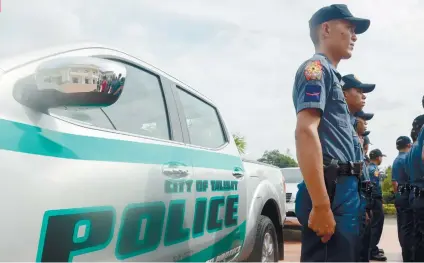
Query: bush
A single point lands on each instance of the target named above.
(389, 209)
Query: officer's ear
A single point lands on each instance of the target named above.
(325, 29)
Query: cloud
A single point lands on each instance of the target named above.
(242, 54)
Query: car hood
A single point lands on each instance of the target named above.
(291, 188)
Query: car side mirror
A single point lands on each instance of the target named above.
(72, 82)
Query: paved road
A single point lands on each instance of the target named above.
(389, 242)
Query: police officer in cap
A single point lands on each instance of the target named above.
(365, 190)
(377, 222)
(415, 171)
(324, 137)
(354, 93)
(401, 187)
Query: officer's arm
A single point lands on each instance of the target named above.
(310, 99)
(395, 177)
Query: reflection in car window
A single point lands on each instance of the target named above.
(141, 107)
(292, 176)
(202, 120)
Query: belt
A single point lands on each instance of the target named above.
(418, 192)
(366, 187)
(350, 169)
(403, 188)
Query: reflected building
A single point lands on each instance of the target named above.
(77, 78)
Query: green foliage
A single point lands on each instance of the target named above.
(240, 142)
(276, 158)
(387, 188)
(389, 209)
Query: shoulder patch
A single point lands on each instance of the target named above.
(376, 173)
(313, 70)
(312, 93)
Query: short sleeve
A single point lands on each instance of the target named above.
(373, 173)
(312, 85)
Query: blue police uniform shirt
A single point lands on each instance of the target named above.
(359, 155)
(375, 178)
(414, 162)
(318, 86)
(399, 174)
(365, 175)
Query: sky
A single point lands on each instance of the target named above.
(242, 54)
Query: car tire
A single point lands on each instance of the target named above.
(266, 246)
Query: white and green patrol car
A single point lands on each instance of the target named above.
(106, 158)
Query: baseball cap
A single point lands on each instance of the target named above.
(376, 153)
(366, 133)
(418, 122)
(338, 11)
(351, 81)
(366, 140)
(363, 115)
(403, 141)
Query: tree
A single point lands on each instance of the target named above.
(240, 142)
(276, 158)
(386, 186)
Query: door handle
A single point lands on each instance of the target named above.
(175, 170)
(238, 172)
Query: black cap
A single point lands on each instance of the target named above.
(366, 140)
(418, 122)
(338, 11)
(366, 133)
(351, 81)
(363, 115)
(376, 153)
(403, 141)
(416, 127)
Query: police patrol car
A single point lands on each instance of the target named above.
(106, 158)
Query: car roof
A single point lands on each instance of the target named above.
(9, 63)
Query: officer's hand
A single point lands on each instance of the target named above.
(367, 218)
(321, 221)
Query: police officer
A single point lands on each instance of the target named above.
(324, 136)
(377, 222)
(366, 143)
(401, 188)
(415, 171)
(366, 187)
(354, 93)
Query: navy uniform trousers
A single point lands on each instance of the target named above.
(405, 225)
(364, 233)
(342, 247)
(417, 205)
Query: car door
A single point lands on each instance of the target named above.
(220, 206)
(164, 189)
(103, 171)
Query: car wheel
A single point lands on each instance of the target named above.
(266, 242)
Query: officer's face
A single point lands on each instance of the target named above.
(361, 126)
(355, 99)
(341, 38)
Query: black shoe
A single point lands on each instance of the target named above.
(381, 251)
(378, 257)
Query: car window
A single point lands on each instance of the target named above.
(292, 176)
(91, 117)
(203, 123)
(141, 107)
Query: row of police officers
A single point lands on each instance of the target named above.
(408, 184)
(339, 203)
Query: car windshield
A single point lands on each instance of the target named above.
(292, 175)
